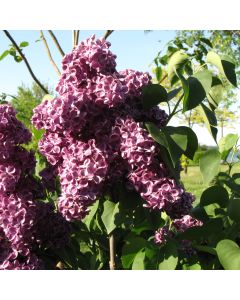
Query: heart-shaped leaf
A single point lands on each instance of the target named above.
(168, 256)
(210, 164)
(228, 254)
(153, 94)
(226, 143)
(110, 209)
(138, 263)
(234, 209)
(225, 65)
(209, 118)
(181, 140)
(176, 61)
(215, 194)
(215, 94)
(199, 85)
(131, 249)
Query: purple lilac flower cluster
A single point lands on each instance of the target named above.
(26, 224)
(94, 134)
(178, 226)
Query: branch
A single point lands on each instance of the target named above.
(25, 60)
(73, 38)
(107, 33)
(77, 37)
(56, 42)
(112, 252)
(175, 108)
(49, 53)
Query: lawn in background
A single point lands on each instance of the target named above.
(193, 180)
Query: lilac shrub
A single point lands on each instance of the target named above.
(26, 224)
(95, 135)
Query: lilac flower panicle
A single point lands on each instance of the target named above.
(95, 135)
(161, 235)
(26, 224)
(186, 222)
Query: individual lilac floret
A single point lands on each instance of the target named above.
(82, 174)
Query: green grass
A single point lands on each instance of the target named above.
(193, 181)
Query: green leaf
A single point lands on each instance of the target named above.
(181, 140)
(198, 212)
(209, 118)
(215, 94)
(158, 73)
(215, 194)
(228, 254)
(177, 60)
(88, 219)
(12, 51)
(199, 85)
(156, 134)
(168, 256)
(17, 58)
(226, 144)
(199, 233)
(196, 266)
(110, 210)
(130, 249)
(24, 44)
(153, 95)
(206, 41)
(225, 65)
(38, 133)
(234, 209)
(210, 164)
(4, 54)
(138, 263)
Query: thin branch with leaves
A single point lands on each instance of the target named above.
(25, 61)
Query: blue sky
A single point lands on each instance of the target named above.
(134, 49)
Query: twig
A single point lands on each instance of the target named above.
(165, 76)
(49, 53)
(112, 252)
(107, 33)
(77, 37)
(25, 60)
(73, 38)
(56, 42)
(175, 108)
